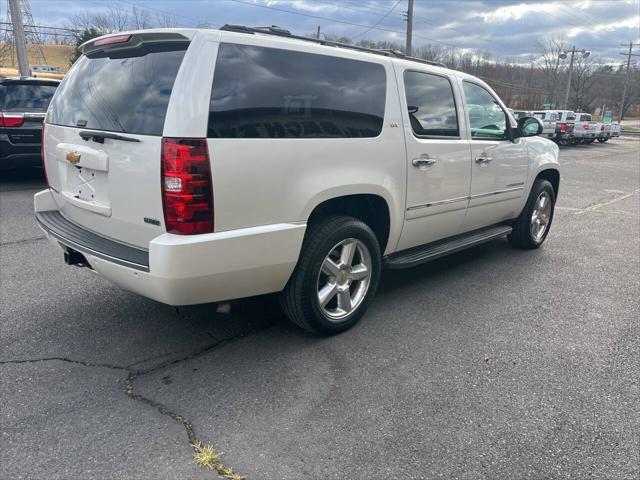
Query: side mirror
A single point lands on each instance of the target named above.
(529, 127)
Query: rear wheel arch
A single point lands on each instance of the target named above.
(371, 209)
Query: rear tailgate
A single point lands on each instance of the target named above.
(103, 136)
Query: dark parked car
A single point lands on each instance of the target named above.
(23, 104)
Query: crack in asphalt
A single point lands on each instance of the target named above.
(24, 240)
(63, 359)
(134, 374)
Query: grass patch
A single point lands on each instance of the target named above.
(57, 55)
(207, 457)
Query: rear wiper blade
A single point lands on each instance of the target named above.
(100, 136)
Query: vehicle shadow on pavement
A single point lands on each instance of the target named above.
(22, 179)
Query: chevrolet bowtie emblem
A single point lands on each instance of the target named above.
(73, 157)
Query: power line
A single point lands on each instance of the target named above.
(44, 26)
(344, 22)
(367, 8)
(565, 18)
(6, 30)
(379, 21)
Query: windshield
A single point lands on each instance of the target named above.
(128, 94)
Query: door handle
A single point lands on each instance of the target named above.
(423, 161)
(483, 158)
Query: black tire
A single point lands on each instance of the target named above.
(522, 236)
(299, 299)
(602, 140)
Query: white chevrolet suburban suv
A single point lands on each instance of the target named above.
(194, 166)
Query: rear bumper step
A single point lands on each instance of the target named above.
(428, 253)
(71, 235)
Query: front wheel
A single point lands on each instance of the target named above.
(336, 277)
(530, 229)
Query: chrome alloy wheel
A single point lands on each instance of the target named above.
(541, 216)
(344, 279)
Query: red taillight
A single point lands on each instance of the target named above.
(186, 186)
(44, 164)
(585, 126)
(11, 119)
(602, 128)
(563, 127)
(112, 40)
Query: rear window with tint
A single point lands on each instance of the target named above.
(25, 97)
(271, 93)
(128, 94)
(585, 118)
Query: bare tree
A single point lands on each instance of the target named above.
(81, 22)
(552, 65)
(166, 20)
(140, 18)
(430, 52)
(115, 19)
(582, 95)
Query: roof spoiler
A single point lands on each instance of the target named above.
(133, 44)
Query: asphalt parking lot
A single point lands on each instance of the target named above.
(492, 363)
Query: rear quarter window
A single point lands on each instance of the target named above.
(129, 94)
(263, 92)
(25, 97)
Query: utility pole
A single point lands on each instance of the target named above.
(407, 48)
(18, 32)
(573, 51)
(318, 33)
(566, 95)
(626, 78)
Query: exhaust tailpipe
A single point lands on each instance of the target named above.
(75, 258)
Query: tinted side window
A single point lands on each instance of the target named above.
(25, 97)
(263, 92)
(487, 119)
(129, 94)
(432, 108)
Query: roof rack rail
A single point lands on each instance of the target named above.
(281, 32)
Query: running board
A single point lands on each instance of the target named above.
(427, 253)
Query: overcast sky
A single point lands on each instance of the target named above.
(505, 29)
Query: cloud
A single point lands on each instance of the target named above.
(515, 12)
(505, 29)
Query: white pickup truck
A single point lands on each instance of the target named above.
(603, 132)
(549, 121)
(586, 130)
(615, 129)
(564, 124)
